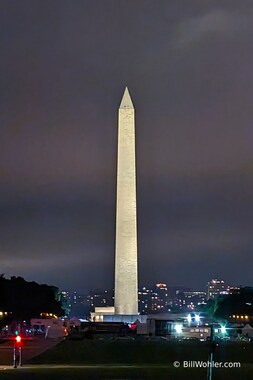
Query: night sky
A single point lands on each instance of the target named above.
(188, 65)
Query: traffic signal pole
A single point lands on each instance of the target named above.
(14, 357)
(17, 352)
(20, 357)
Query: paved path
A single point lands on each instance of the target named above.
(69, 366)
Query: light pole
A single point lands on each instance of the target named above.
(211, 355)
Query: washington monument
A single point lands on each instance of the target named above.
(126, 274)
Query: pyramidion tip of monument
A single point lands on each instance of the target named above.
(126, 101)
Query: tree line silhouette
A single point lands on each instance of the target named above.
(26, 300)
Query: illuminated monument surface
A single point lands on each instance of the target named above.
(126, 274)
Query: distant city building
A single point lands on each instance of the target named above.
(157, 299)
(189, 300)
(148, 300)
(101, 297)
(161, 290)
(194, 299)
(234, 290)
(216, 287)
(145, 300)
(153, 300)
(80, 305)
(162, 299)
(173, 291)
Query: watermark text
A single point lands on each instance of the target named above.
(205, 364)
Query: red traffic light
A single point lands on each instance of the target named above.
(18, 341)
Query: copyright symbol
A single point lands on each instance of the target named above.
(176, 364)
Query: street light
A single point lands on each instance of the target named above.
(178, 329)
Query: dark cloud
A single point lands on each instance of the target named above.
(63, 69)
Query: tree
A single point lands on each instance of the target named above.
(26, 300)
(212, 307)
(240, 303)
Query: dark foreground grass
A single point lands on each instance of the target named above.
(154, 357)
(141, 352)
(129, 373)
(118, 352)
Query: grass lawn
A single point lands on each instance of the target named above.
(141, 352)
(131, 373)
(154, 357)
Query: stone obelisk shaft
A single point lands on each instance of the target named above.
(126, 276)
